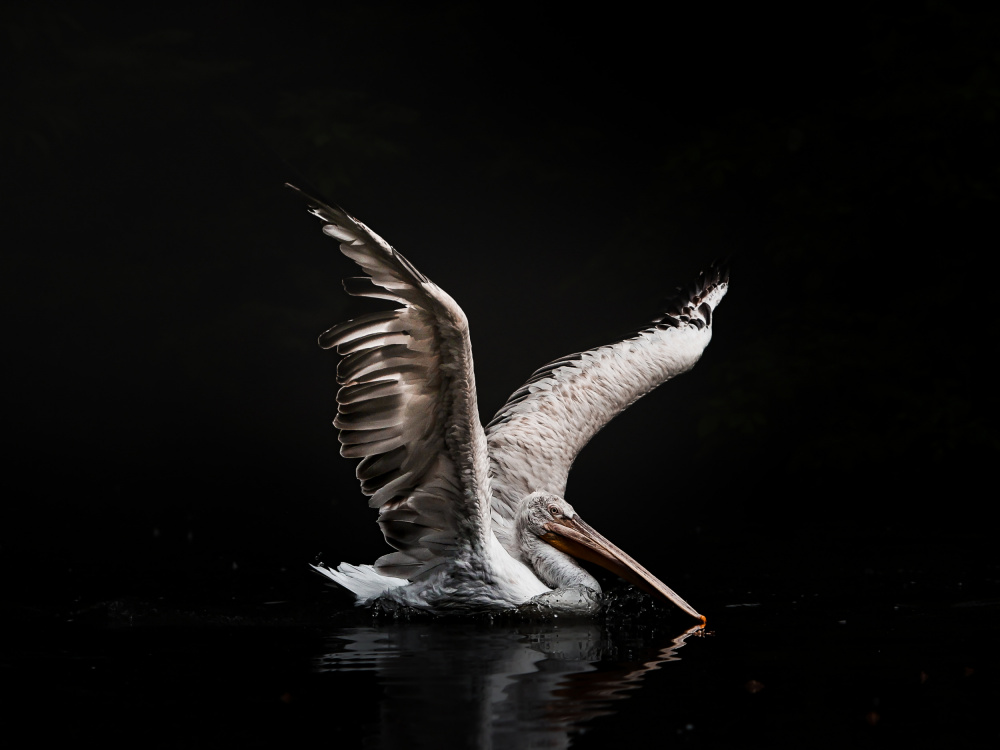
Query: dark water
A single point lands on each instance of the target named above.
(786, 671)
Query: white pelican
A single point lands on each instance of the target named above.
(477, 517)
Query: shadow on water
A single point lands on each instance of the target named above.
(495, 685)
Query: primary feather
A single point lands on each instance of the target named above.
(405, 407)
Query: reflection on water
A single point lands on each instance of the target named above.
(448, 683)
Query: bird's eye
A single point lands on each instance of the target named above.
(554, 510)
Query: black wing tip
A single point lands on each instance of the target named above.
(721, 268)
(689, 298)
(716, 274)
(318, 206)
(304, 195)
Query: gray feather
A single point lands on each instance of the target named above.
(377, 322)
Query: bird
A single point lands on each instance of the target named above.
(476, 516)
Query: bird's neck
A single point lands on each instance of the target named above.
(554, 567)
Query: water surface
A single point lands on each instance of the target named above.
(774, 671)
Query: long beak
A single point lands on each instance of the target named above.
(576, 537)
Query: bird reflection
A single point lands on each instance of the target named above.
(494, 686)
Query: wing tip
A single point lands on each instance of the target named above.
(694, 303)
(313, 202)
(690, 307)
(344, 227)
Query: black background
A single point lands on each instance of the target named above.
(167, 412)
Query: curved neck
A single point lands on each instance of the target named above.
(553, 567)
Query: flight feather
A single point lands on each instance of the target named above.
(407, 407)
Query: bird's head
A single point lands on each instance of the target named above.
(554, 521)
(541, 510)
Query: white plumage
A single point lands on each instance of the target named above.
(477, 517)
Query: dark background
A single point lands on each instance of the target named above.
(167, 411)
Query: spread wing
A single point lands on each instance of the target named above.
(407, 406)
(536, 436)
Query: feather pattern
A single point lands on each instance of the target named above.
(535, 437)
(469, 511)
(407, 407)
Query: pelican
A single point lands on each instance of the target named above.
(477, 517)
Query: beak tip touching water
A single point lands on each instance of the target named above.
(576, 537)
